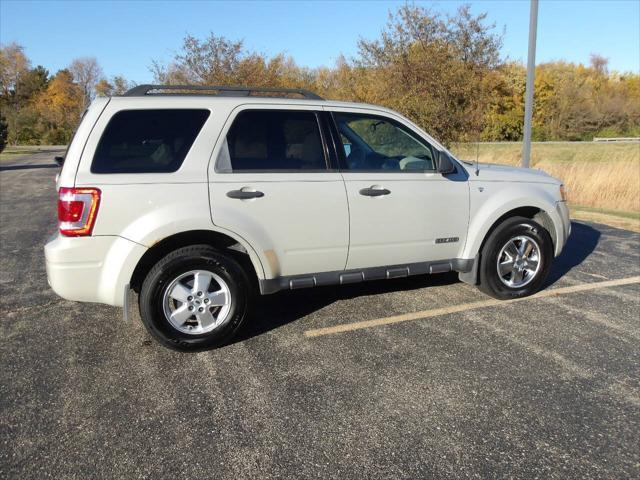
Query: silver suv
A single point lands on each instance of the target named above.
(197, 197)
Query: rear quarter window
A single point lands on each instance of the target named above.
(147, 141)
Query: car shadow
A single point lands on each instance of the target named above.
(28, 167)
(273, 311)
(580, 244)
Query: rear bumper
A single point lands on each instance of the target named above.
(91, 269)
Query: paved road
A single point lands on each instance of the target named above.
(548, 387)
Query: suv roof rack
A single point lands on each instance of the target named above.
(142, 90)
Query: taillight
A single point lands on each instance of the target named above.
(77, 210)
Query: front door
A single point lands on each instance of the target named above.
(401, 210)
(272, 185)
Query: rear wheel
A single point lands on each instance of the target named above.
(194, 298)
(515, 259)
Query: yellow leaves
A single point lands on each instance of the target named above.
(103, 88)
(61, 103)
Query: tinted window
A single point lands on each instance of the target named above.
(147, 141)
(376, 143)
(267, 140)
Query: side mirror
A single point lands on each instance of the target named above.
(445, 164)
(59, 160)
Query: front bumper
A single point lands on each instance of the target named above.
(563, 213)
(91, 269)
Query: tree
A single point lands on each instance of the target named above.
(117, 86)
(599, 63)
(219, 61)
(433, 68)
(104, 88)
(13, 64)
(504, 110)
(4, 130)
(60, 107)
(31, 83)
(445, 72)
(87, 73)
(211, 61)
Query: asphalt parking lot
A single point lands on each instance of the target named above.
(340, 382)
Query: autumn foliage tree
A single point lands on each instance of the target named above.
(60, 107)
(219, 61)
(41, 108)
(14, 66)
(445, 72)
(116, 86)
(432, 68)
(38, 108)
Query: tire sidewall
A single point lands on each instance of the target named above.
(176, 264)
(489, 277)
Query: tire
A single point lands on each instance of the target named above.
(174, 276)
(519, 278)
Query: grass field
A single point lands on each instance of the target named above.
(602, 179)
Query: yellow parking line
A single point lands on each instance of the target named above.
(436, 312)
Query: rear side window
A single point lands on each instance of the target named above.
(273, 140)
(147, 141)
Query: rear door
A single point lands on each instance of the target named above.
(274, 185)
(402, 211)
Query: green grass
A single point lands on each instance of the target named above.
(17, 152)
(606, 211)
(13, 153)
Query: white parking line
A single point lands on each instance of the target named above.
(436, 312)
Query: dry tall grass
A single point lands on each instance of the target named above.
(596, 175)
(609, 185)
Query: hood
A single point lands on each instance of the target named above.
(490, 172)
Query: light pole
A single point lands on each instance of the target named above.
(531, 73)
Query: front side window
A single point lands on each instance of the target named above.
(375, 143)
(272, 140)
(147, 141)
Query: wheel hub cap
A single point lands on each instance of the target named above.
(519, 261)
(197, 302)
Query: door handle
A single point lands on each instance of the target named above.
(374, 191)
(244, 194)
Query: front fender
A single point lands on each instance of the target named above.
(488, 211)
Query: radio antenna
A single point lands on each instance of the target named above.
(477, 155)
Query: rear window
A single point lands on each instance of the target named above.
(147, 141)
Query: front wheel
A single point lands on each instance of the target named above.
(194, 298)
(515, 259)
